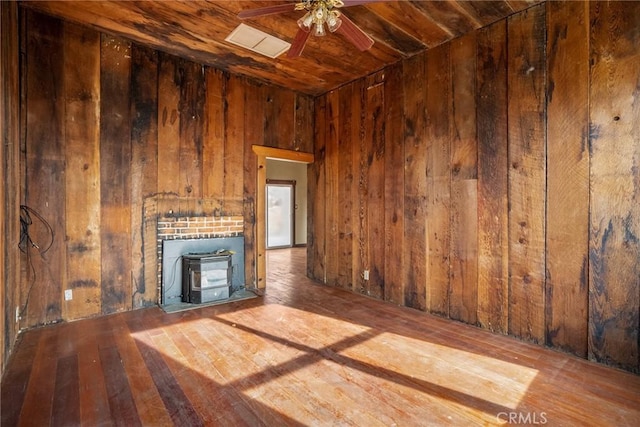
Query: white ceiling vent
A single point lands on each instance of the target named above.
(257, 41)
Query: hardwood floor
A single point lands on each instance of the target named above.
(303, 354)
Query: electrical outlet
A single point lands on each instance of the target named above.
(366, 275)
(68, 294)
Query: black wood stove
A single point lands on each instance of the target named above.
(206, 277)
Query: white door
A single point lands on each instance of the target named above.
(280, 211)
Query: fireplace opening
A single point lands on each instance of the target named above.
(202, 271)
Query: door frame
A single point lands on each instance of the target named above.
(263, 154)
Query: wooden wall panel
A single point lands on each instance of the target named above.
(463, 303)
(270, 123)
(567, 176)
(527, 173)
(279, 118)
(316, 196)
(191, 110)
(394, 255)
(415, 185)
(41, 289)
(438, 153)
(493, 257)
(7, 61)
(374, 139)
(234, 147)
(253, 134)
(82, 174)
(345, 181)
(361, 145)
(168, 125)
(10, 109)
(358, 171)
(332, 212)
(213, 147)
(286, 119)
(144, 170)
(614, 250)
(115, 174)
(304, 123)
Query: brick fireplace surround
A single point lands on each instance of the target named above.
(172, 217)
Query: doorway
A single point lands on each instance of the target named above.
(263, 153)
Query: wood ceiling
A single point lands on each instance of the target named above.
(196, 30)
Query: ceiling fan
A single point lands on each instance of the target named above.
(319, 14)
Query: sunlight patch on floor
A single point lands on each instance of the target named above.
(286, 351)
(497, 381)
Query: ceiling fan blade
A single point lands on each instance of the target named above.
(298, 43)
(348, 3)
(267, 10)
(354, 34)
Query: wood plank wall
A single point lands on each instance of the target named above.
(110, 126)
(9, 176)
(614, 190)
(520, 191)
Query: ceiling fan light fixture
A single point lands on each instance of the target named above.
(319, 30)
(306, 22)
(317, 13)
(333, 21)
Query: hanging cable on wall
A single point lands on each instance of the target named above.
(27, 243)
(26, 221)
